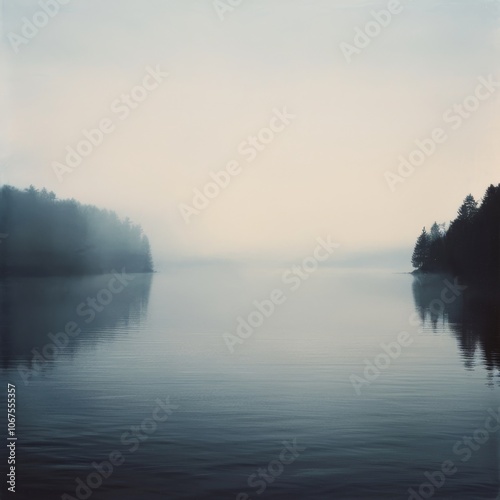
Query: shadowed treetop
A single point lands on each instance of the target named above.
(45, 236)
(470, 247)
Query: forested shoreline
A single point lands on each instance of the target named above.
(469, 246)
(43, 236)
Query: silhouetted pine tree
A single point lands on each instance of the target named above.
(436, 257)
(421, 252)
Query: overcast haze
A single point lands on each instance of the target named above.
(322, 175)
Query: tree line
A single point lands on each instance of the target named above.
(470, 246)
(41, 235)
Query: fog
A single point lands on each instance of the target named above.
(324, 172)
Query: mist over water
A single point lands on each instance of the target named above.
(290, 380)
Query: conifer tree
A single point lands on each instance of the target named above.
(421, 251)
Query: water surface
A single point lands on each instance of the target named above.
(291, 379)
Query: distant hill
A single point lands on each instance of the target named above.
(41, 235)
(470, 246)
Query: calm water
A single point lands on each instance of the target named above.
(162, 336)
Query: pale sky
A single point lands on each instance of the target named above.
(322, 175)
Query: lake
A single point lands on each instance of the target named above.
(356, 384)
